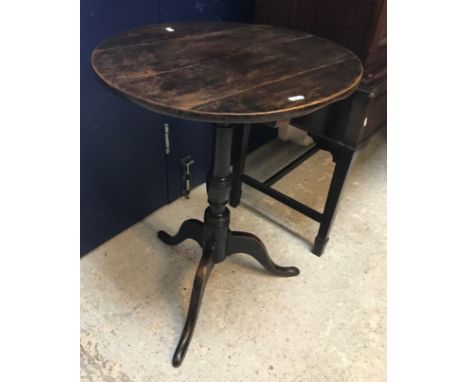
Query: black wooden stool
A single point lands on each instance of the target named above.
(338, 129)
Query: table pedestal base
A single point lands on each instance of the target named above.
(215, 238)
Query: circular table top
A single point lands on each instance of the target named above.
(226, 72)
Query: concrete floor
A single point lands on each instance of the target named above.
(327, 324)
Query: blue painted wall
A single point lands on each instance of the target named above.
(123, 175)
(207, 10)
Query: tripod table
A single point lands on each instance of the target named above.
(228, 74)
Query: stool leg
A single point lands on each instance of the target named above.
(343, 164)
(240, 144)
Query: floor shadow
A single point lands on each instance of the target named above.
(281, 224)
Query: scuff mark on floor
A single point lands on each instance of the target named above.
(94, 367)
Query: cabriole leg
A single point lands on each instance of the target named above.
(243, 242)
(190, 229)
(201, 278)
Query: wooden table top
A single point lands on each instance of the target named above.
(226, 72)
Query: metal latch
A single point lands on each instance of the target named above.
(167, 143)
(186, 163)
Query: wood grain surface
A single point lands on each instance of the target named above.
(226, 72)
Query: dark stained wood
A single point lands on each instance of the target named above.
(359, 25)
(351, 23)
(226, 72)
(216, 238)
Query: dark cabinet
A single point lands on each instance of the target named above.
(122, 171)
(359, 25)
